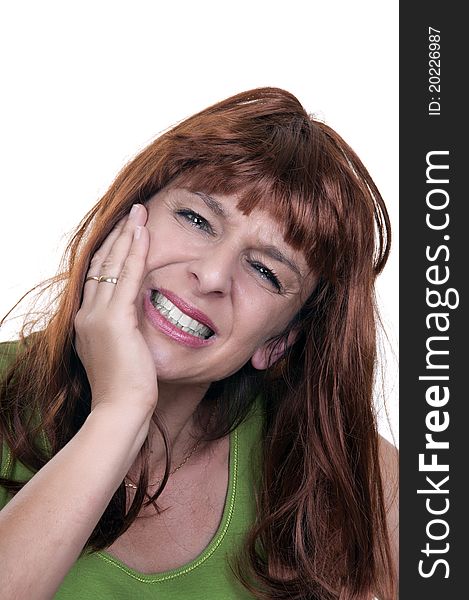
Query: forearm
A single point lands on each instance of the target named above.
(45, 526)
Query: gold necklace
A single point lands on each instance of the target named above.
(130, 484)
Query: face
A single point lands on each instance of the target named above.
(219, 286)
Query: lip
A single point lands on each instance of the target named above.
(162, 324)
(190, 310)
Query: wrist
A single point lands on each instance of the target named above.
(121, 430)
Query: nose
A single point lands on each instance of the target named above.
(213, 272)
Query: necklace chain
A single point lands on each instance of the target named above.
(130, 484)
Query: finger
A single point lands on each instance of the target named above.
(133, 269)
(113, 263)
(99, 257)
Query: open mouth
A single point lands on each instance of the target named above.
(178, 318)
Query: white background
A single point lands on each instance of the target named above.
(85, 85)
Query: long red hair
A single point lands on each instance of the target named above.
(322, 533)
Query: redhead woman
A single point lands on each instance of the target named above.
(195, 419)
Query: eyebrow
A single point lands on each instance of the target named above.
(279, 256)
(272, 251)
(212, 204)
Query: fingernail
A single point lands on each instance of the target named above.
(137, 232)
(133, 211)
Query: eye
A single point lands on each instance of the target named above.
(267, 274)
(195, 220)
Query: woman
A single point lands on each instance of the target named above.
(196, 420)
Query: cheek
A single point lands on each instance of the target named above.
(170, 242)
(160, 232)
(262, 324)
(164, 246)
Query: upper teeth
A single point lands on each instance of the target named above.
(177, 317)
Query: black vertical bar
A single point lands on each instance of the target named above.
(434, 422)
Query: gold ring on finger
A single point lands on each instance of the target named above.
(104, 279)
(92, 277)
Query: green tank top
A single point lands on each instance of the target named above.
(100, 576)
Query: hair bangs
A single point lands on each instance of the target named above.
(285, 163)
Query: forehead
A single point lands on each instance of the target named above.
(230, 207)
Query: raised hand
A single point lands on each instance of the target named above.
(76, 485)
(118, 363)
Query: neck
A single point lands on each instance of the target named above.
(176, 407)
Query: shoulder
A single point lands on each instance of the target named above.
(389, 465)
(8, 352)
(388, 460)
(11, 354)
